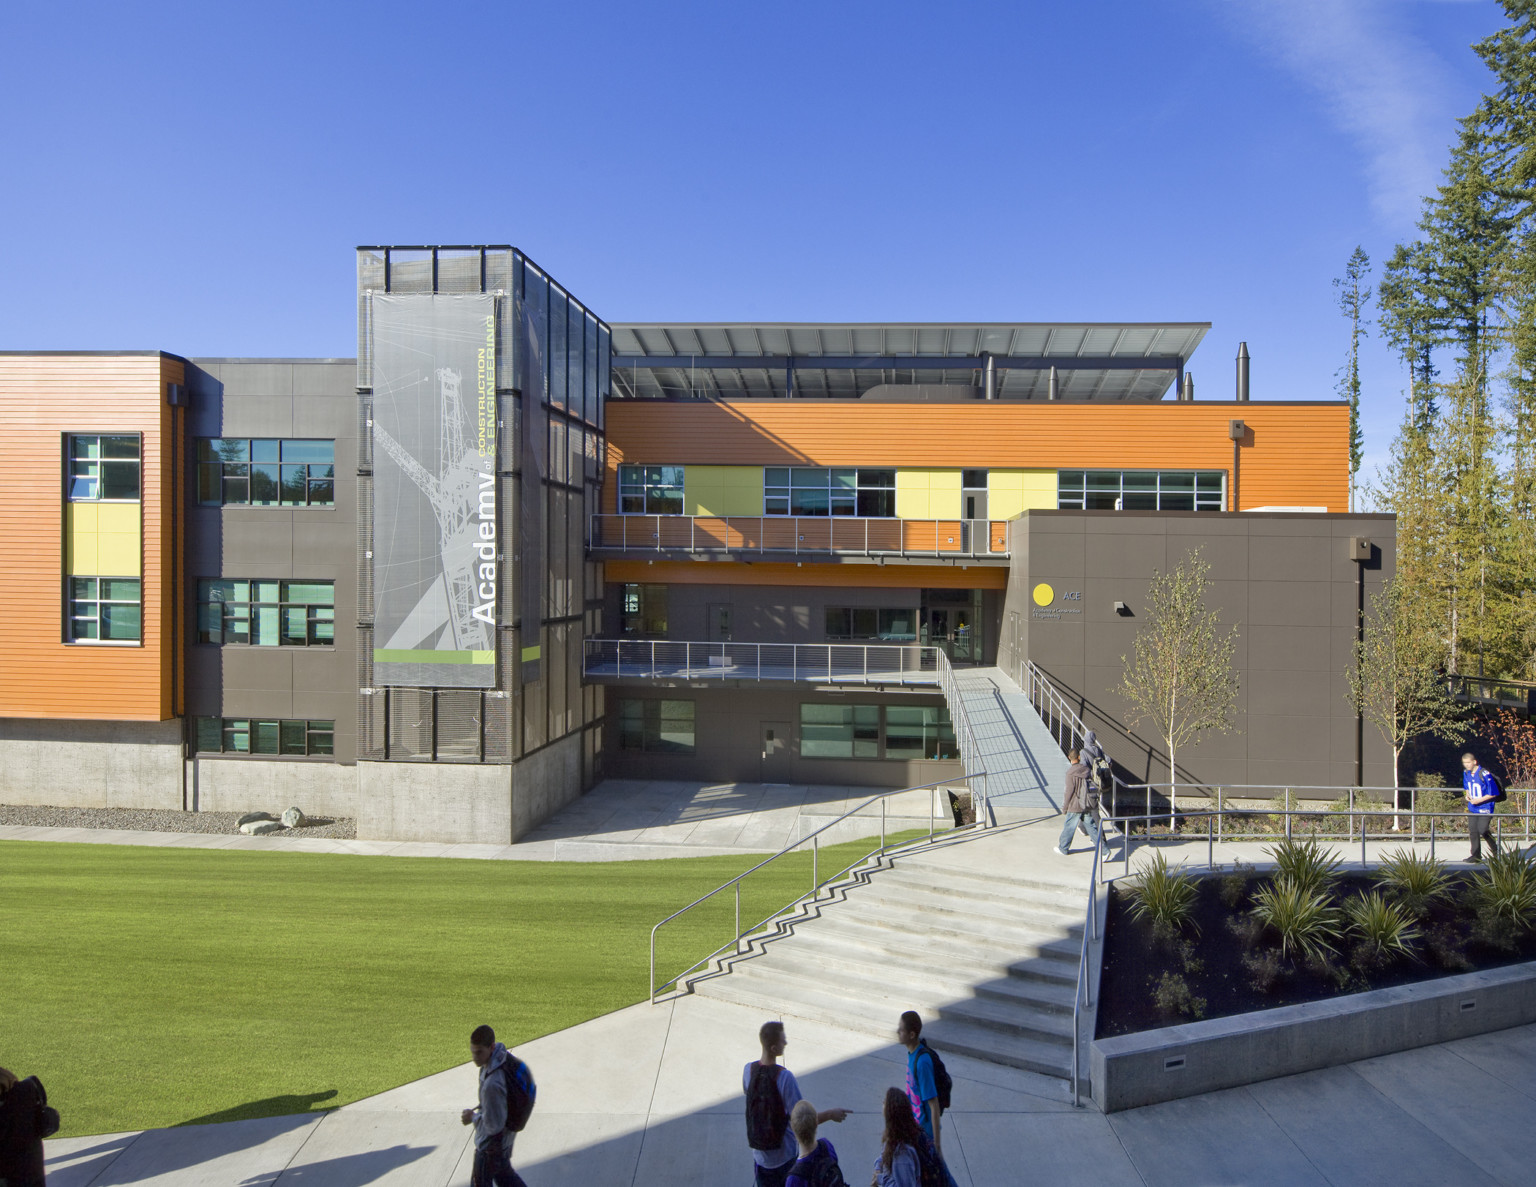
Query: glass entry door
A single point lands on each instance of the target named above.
(954, 629)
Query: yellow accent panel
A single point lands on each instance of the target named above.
(102, 540)
(927, 494)
(1012, 492)
(723, 490)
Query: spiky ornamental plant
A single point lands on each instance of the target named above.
(1163, 896)
(1417, 881)
(1385, 927)
(1309, 926)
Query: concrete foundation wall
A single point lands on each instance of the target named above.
(490, 804)
(91, 764)
(251, 785)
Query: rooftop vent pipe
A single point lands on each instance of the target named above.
(1242, 372)
(989, 379)
(1187, 392)
(1053, 390)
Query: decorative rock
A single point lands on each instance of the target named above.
(260, 828)
(251, 817)
(293, 818)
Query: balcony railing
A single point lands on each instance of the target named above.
(797, 535)
(821, 663)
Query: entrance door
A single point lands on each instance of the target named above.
(719, 622)
(954, 629)
(776, 754)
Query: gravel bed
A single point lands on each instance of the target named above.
(157, 820)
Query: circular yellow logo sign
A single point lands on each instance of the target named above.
(1044, 594)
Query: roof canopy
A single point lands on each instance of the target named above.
(722, 360)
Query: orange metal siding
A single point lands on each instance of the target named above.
(862, 576)
(42, 398)
(1296, 455)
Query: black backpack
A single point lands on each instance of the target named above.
(766, 1117)
(942, 1080)
(519, 1098)
(930, 1167)
(1499, 795)
(819, 1169)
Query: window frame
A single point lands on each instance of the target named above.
(856, 492)
(70, 617)
(312, 730)
(100, 460)
(1207, 489)
(882, 616)
(649, 712)
(651, 490)
(285, 607)
(225, 470)
(936, 732)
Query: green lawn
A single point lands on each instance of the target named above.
(151, 987)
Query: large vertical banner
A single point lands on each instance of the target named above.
(435, 525)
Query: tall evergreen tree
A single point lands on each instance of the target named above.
(1354, 296)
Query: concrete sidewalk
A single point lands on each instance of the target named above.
(618, 820)
(651, 1094)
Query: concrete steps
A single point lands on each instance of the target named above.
(981, 936)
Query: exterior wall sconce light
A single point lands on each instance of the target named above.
(1123, 610)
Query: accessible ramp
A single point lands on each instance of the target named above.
(1025, 767)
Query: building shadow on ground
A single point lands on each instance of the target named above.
(271, 1106)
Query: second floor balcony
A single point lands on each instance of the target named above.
(821, 663)
(800, 536)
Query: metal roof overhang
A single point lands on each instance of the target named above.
(1094, 361)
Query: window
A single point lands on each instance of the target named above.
(643, 611)
(105, 610)
(840, 731)
(1141, 490)
(860, 622)
(656, 727)
(651, 490)
(267, 613)
(814, 490)
(922, 731)
(238, 471)
(240, 735)
(104, 469)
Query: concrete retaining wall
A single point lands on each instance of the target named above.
(91, 764)
(1179, 1061)
(250, 785)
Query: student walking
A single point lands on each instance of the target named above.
(816, 1165)
(23, 1106)
(1482, 792)
(927, 1087)
(772, 1093)
(506, 1097)
(900, 1162)
(1078, 804)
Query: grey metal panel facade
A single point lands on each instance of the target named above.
(1285, 580)
(286, 399)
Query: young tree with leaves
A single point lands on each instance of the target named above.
(1184, 677)
(1354, 303)
(1395, 681)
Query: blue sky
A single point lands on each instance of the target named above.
(193, 177)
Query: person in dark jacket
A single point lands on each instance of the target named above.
(21, 1145)
(1078, 804)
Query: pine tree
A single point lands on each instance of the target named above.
(1354, 302)
(1409, 322)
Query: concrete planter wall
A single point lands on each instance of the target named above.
(1196, 1057)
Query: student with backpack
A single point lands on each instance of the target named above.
(507, 1092)
(816, 1165)
(928, 1084)
(25, 1120)
(772, 1092)
(907, 1158)
(1483, 792)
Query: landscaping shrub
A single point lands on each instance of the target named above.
(1306, 865)
(1385, 929)
(1164, 896)
(1417, 882)
(1504, 894)
(1308, 925)
(1234, 886)
(1265, 969)
(1173, 996)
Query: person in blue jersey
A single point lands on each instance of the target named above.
(1482, 792)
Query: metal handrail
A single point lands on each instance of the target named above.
(857, 535)
(843, 663)
(1054, 708)
(817, 882)
(965, 736)
(1083, 998)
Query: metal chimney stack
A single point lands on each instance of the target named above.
(1242, 372)
(989, 379)
(1053, 391)
(1187, 392)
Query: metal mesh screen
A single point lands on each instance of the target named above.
(370, 725)
(364, 548)
(364, 434)
(511, 591)
(458, 271)
(370, 276)
(458, 725)
(410, 271)
(410, 724)
(498, 727)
